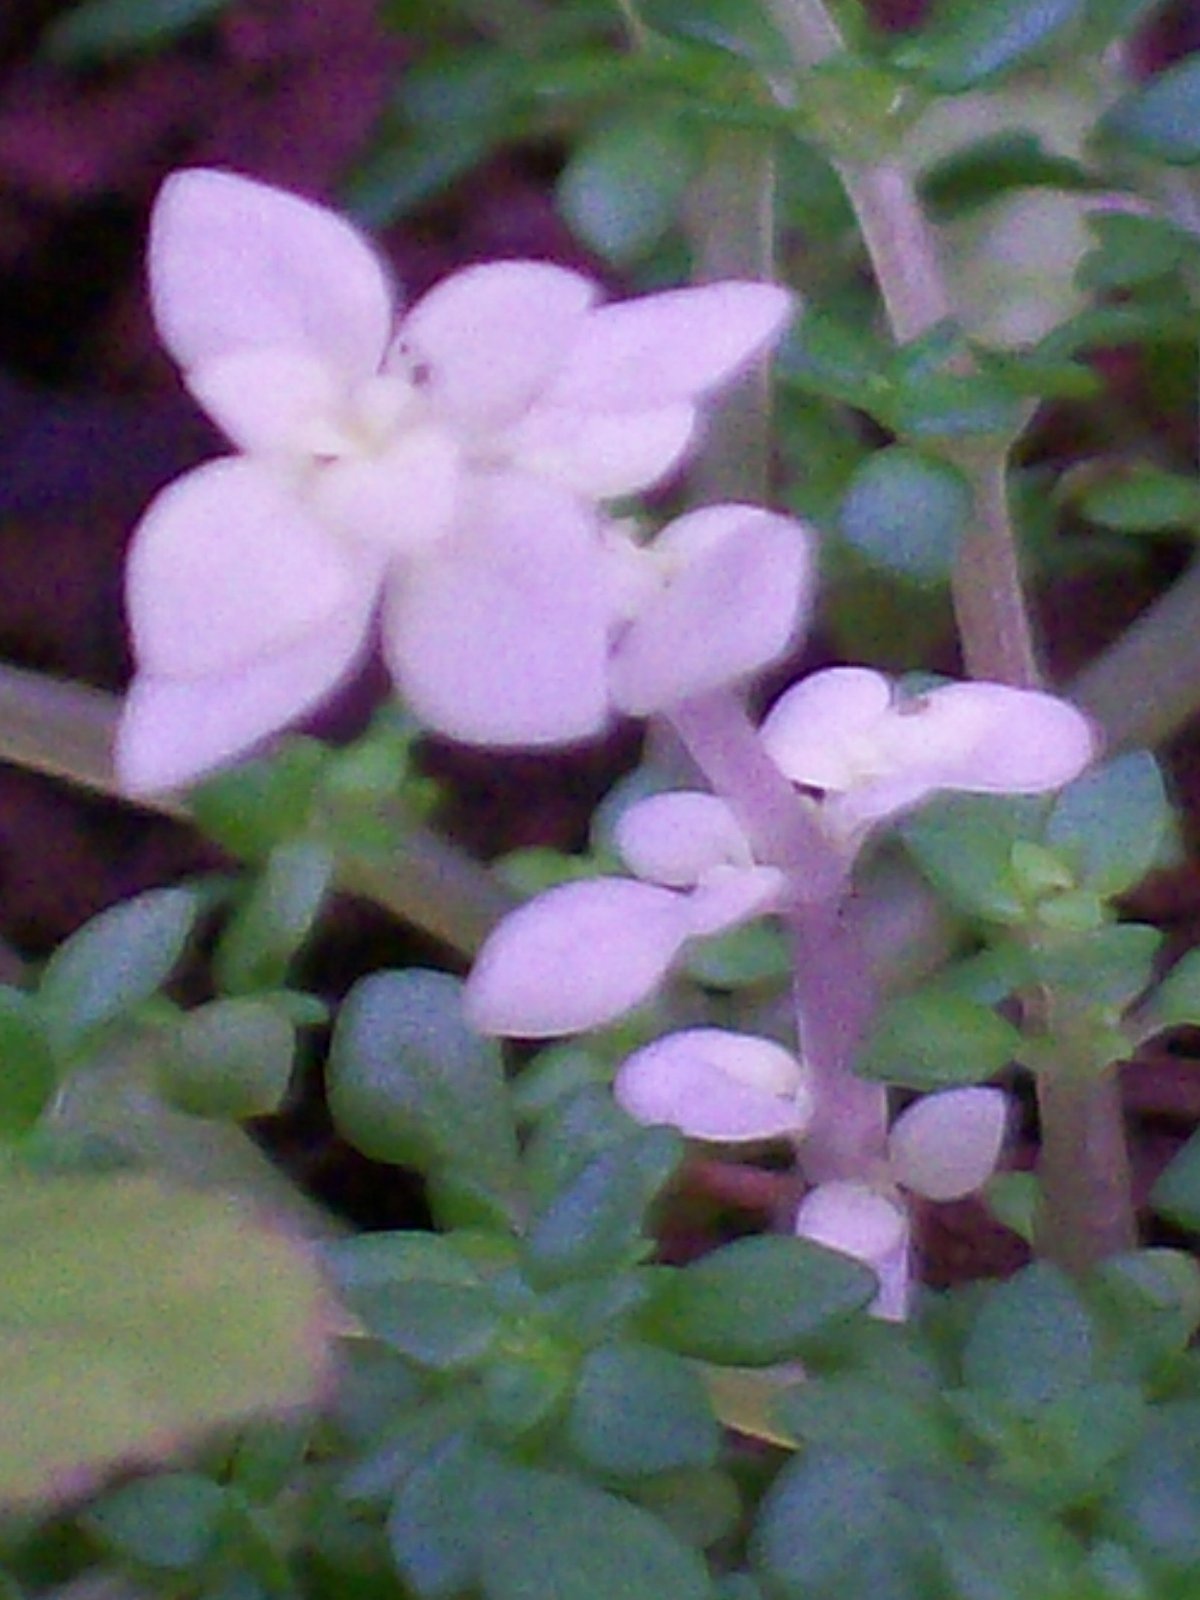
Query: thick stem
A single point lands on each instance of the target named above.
(66, 731)
(1086, 1200)
(993, 620)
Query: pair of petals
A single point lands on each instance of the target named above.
(584, 954)
(874, 753)
(942, 1147)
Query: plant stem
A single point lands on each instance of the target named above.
(993, 619)
(66, 731)
(1086, 1203)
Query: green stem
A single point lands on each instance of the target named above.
(1086, 1203)
(993, 620)
(66, 731)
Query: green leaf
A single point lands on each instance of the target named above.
(755, 1301)
(1161, 118)
(261, 802)
(1108, 967)
(438, 1325)
(937, 1039)
(963, 845)
(578, 1543)
(410, 1083)
(858, 1413)
(552, 1075)
(598, 1222)
(433, 1527)
(757, 953)
(257, 948)
(1032, 1341)
(1132, 250)
(170, 1522)
(827, 1520)
(1176, 1194)
(574, 1129)
(1143, 499)
(1112, 823)
(1176, 1001)
(992, 1548)
(231, 1059)
(622, 190)
(135, 1318)
(99, 29)
(968, 42)
(114, 963)
(1158, 1497)
(907, 513)
(28, 1073)
(638, 1410)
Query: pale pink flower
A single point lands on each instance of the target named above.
(710, 1083)
(872, 752)
(446, 467)
(942, 1147)
(583, 954)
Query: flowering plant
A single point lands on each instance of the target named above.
(550, 1389)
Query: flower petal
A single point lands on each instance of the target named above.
(663, 348)
(498, 636)
(726, 897)
(401, 500)
(174, 731)
(712, 1084)
(575, 958)
(270, 400)
(487, 339)
(602, 454)
(862, 1223)
(814, 731)
(239, 265)
(989, 738)
(227, 565)
(946, 1145)
(736, 600)
(676, 837)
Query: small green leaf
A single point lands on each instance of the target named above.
(757, 953)
(433, 1527)
(937, 1039)
(1161, 118)
(263, 801)
(1133, 250)
(170, 1522)
(410, 1083)
(622, 190)
(438, 1325)
(264, 936)
(1108, 967)
(578, 1543)
(907, 513)
(968, 42)
(99, 29)
(1112, 823)
(1158, 1496)
(1176, 1001)
(114, 963)
(135, 1318)
(28, 1073)
(1032, 1341)
(963, 845)
(1177, 1192)
(858, 1413)
(598, 1222)
(1143, 499)
(755, 1301)
(231, 1059)
(638, 1410)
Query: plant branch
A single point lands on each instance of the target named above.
(1086, 1204)
(66, 731)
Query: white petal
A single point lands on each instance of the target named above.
(602, 454)
(282, 401)
(401, 500)
(499, 635)
(485, 341)
(814, 732)
(735, 602)
(664, 348)
(946, 1145)
(988, 738)
(239, 265)
(675, 838)
(860, 1222)
(174, 731)
(726, 897)
(575, 958)
(711, 1084)
(228, 565)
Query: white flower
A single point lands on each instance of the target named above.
(448, 465)
(732, 1088)
(873, 753)
(583, 954)
(942, 1147)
